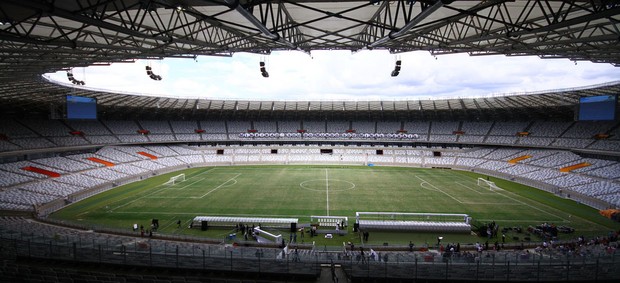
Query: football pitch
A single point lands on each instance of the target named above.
(302, 191)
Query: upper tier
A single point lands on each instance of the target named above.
(17, 136)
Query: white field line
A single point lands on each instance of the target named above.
(144, 196)
(492, 203)
(457, 200)
(221, 185)
(151, 193)
(178, 189)
(169, 223)
(563, 219)
(192, 177)
(195, 176)
(464, 177)
(474, 190)
(530, 206)
(422, 184)
(168, 197)
(327, 190)
(516, 200)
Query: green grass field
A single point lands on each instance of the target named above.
(302, 191)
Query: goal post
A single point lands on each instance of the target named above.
(175, 180)
(488, 184)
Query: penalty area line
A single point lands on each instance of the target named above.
(457, 200)
(221, 185)
(161, 188)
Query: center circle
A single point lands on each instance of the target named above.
(322, 185)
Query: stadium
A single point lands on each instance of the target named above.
(106, 186)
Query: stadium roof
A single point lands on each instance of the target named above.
(38, 37)
(37, 97)
(42, 36)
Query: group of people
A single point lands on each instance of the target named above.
(247, 230)
(143, 232)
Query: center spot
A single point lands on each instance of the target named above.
(322, 185)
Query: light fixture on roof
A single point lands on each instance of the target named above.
(153, 76)
(396, 70)
(263, 70)
(72, 79)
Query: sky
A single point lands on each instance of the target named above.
(342, 75)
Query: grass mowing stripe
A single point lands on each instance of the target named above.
(424, 181)
(221, 185)
(549, 200)
(327, 190)
(297, 191)
(130, 202)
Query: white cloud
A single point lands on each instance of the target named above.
(336, 75)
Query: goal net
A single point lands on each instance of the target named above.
(488, 184)
(175, 180)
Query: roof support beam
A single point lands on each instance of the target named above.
(234, 4)
(420, 17)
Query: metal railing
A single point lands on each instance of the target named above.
(588, 262)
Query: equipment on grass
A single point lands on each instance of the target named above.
(486, 183)
(419, 222)
(175, 180)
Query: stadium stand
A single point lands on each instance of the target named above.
(507, 128)
(129, 169)
(218, 127)
(69, 141)
(288, 126)
(314, 126)
(501, 140)
(586, 130)
(47, 128)
(16, 167)
(543, 165)
(534, 141)
(49, 187)
(64, 164)
(548, 128)
(337, 126)
(184, 127)
(101, 140)
(369, 127)
(266, 126)
(33, 143)
(8, 179)
(470, 139)
(608, 145)
(105, 174)
(12, 129)
(444, 128)
(235, 127)
(476, 128)
(384, 127)
(421, 128)
(571, 143)
(89, 127)
(442, 138)
(518, 169)
(611, 171)
(156, 127)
